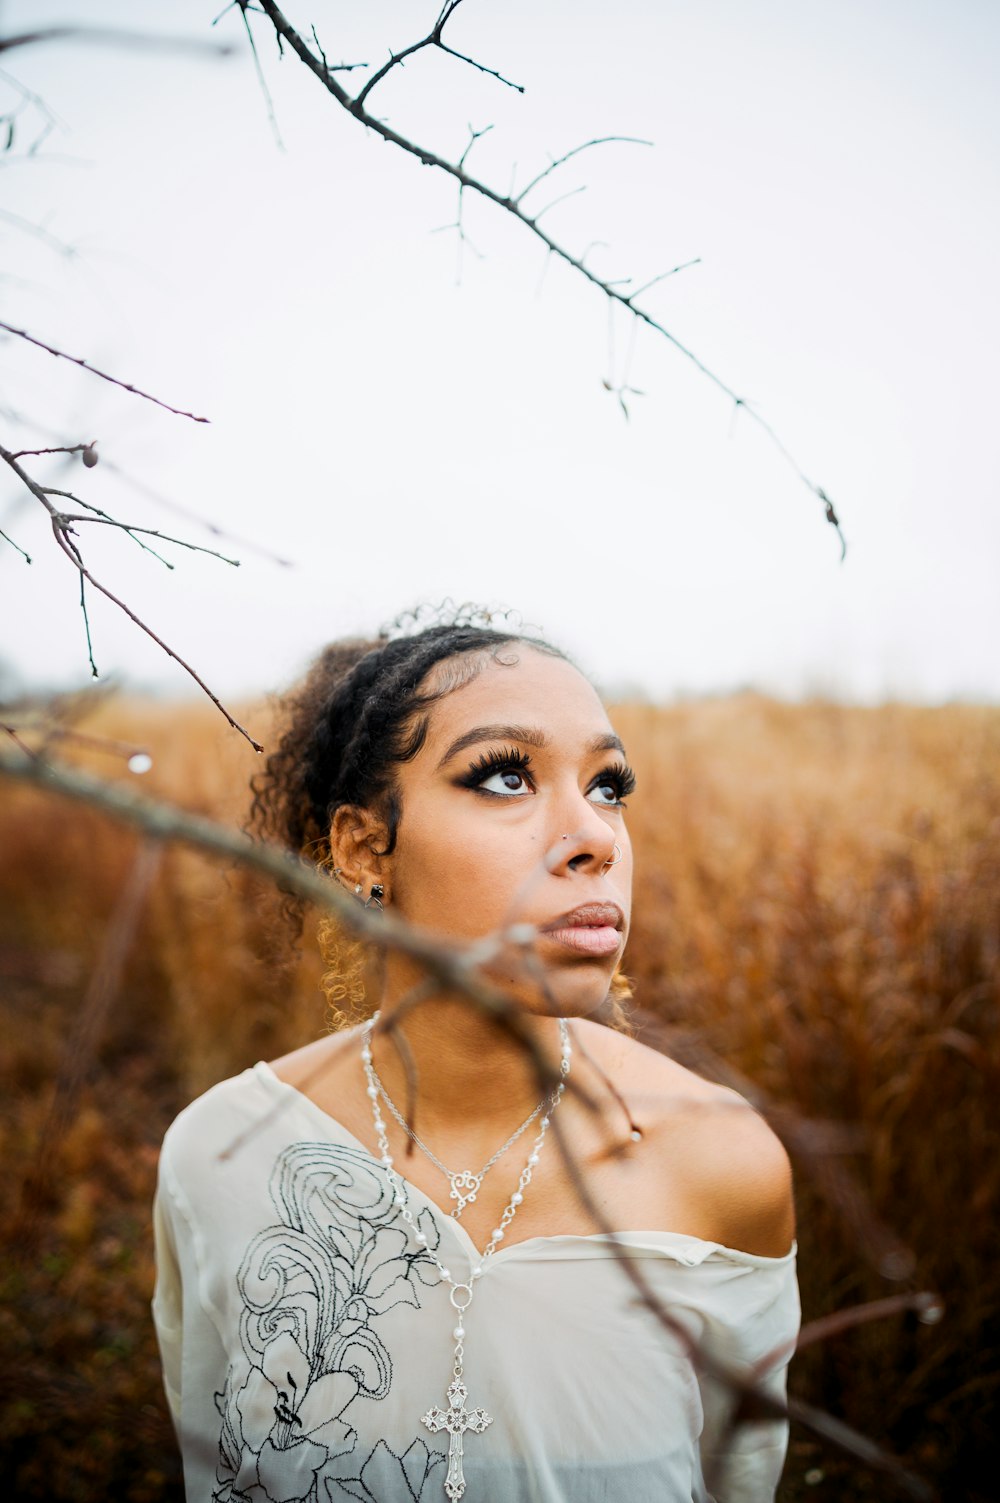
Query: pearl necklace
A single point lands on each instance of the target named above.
(465, 1185)
(457, 1419)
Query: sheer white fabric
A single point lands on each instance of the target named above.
(304, 1335)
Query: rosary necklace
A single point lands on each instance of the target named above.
(457, 1419)
(464, 1185)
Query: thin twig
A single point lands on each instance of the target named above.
(142, 489)
(575, 152)
(73, 554)
(39, 232)
(261, 80)
(695, 261)
(52, 733)
(928, 1308)
(63, 536)
(116, 36)
(432, 39)
(85, 365)
(16, 546)
(572, 193)
(102, 516)
(102, 519)
(60, 449)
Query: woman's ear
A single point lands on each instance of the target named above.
(358, 838)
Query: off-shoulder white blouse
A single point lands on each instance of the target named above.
(304, 1334)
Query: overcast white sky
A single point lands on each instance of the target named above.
(404, 437)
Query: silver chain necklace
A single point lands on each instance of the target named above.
(465, 1185)
(457, 1418)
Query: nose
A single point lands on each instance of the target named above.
(590, 847)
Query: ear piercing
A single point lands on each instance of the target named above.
(374, 898)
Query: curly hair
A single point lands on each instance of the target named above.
(362, 710)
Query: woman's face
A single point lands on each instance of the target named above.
(511, 812)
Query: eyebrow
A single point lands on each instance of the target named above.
(525, 734)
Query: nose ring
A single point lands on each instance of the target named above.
(613, 860)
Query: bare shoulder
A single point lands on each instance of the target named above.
(727, 1171)
(302, 1066)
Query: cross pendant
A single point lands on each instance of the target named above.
(464, 1188)
(456, 1419)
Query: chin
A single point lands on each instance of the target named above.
(584, 992)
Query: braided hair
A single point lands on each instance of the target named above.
(361, 710)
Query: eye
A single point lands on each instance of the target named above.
(506, 770)
(614, 785)
(512, 781)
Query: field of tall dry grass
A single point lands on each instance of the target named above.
(817, 918)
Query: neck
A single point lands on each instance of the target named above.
(462, 1071)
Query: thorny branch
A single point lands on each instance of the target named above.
(64, 531)
(432, 39)
(85, 365)
(88, 451)
(511, 203)
(458, 971)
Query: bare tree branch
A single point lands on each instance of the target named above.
(432, 39)
(60, 449)
(241, 5)
(116, 37)
(928, 1307)
(85, 365)
(142, 489)
(39, 232)
(558, 161)
(101, 518)
(18, 725)
(356, 106)
(16, 546)
(63, 533)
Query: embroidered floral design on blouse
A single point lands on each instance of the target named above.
(313, 1287)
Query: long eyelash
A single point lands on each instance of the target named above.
(495, 761)
(621, 775)
(508, 759)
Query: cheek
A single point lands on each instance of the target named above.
(458, 875)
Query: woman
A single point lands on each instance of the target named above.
(357, 1302)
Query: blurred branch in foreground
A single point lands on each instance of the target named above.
(456, 970)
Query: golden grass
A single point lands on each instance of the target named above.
(817, 904)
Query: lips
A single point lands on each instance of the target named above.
(588, 916)
(592, 929)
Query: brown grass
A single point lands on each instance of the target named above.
(817, 905)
